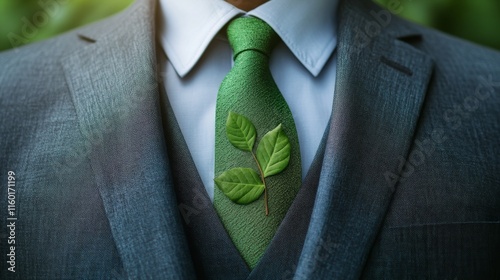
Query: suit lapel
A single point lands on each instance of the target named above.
(381, 85)
(115, 91)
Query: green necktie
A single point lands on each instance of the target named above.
(249, 90)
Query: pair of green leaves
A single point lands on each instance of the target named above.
(245, 185)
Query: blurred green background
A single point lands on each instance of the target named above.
(27, 21)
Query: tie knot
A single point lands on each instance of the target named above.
(250, 33)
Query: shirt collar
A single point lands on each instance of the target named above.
(308, 28)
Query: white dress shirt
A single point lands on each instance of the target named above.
(199, 57)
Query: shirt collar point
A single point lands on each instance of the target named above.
(183, 70)
(181, 67)
(315, 64)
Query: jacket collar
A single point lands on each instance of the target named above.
(380, 90)
(114, 88)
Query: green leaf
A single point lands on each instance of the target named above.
(240, 132)
(241, 185)
(273, 152)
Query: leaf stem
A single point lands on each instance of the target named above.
(266, 205)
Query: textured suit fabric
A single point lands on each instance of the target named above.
(409, 186)
(94, 190)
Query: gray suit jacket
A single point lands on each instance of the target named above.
(409, 186)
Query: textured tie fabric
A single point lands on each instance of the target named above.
(250, 90)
